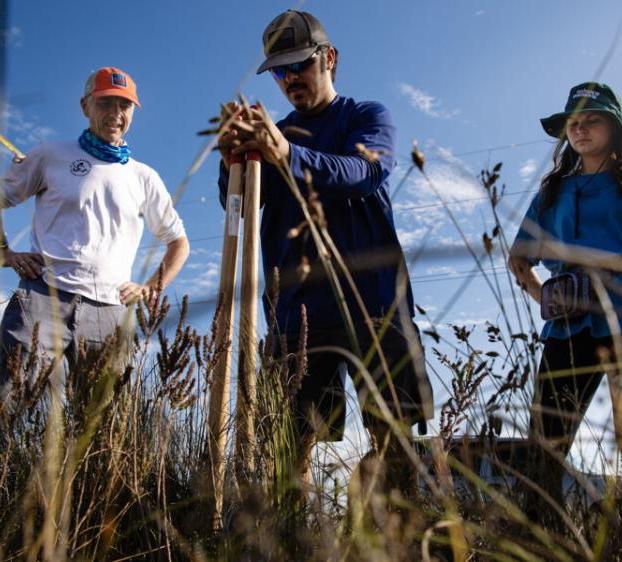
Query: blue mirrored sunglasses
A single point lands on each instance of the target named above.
(280, 71)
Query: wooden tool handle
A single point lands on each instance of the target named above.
(247, 362)
(219, 395)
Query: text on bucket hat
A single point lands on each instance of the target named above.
(588, 96)
(291, 37)
(110, 81)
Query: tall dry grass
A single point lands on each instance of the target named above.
(122, 470)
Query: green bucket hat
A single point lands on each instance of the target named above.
(589, 96)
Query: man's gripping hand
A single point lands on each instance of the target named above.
(27, 265)
(254, 131)
(266, 137)
(233, 136)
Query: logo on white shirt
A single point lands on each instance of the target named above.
(80, 167)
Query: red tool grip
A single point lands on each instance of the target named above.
(236, 159)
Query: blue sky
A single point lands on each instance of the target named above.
(462, 77)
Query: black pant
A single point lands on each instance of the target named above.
(321, 396)
(569, 374)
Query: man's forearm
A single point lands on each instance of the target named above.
(338, 175)
(176, 255)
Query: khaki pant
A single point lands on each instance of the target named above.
(64, 318)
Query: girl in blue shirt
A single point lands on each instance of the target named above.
(579, 203)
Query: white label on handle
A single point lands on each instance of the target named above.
(234, 209)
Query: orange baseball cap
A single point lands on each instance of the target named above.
(110, 81)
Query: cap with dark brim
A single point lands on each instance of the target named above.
(555, 124)
(583, 98)
(291, 37)
(297, 55)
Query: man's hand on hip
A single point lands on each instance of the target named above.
(130, 292)
(27, 265)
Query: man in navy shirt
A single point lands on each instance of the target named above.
(352, 186)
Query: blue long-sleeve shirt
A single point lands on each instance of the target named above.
(354, 196)
(587, 213)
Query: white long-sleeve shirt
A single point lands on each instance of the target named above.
(89, 214)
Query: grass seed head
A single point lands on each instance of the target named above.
(303, 269)
(293, 131)
(418, 158)
(370, 155)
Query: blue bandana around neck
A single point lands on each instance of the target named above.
(102, 150)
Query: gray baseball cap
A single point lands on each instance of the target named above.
(291, 37)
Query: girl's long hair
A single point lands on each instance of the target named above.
(566, 161)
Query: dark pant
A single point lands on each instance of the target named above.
(319, 404)
(569, 374)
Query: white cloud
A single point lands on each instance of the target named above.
(274, 114)
(589, 53)
(426, 103)
(4, 301)
(441, 270)
(150, 256)
(423, 225)
(411, 238)
(423, 221)
(444, 153)
(528, 169)
(480, 12)
(14, 36)
(194, 266)
(464, 320)
(25, 131)
(205, 252)
(204, 282)
(441, 327)
(451, 181)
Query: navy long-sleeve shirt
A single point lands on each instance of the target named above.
(354, 196)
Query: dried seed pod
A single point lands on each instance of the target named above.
(367, 153)
(226, 110)
(302, 363)
(417, 156)
(303, 269)
(205, 132)
(246, 107)
(308, 177)
(293, 131)
(487, 241)
(297, 230)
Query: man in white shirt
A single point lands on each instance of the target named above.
(91, 199)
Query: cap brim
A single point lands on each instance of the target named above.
(286, 58)
(554, 125)
(117, 93)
